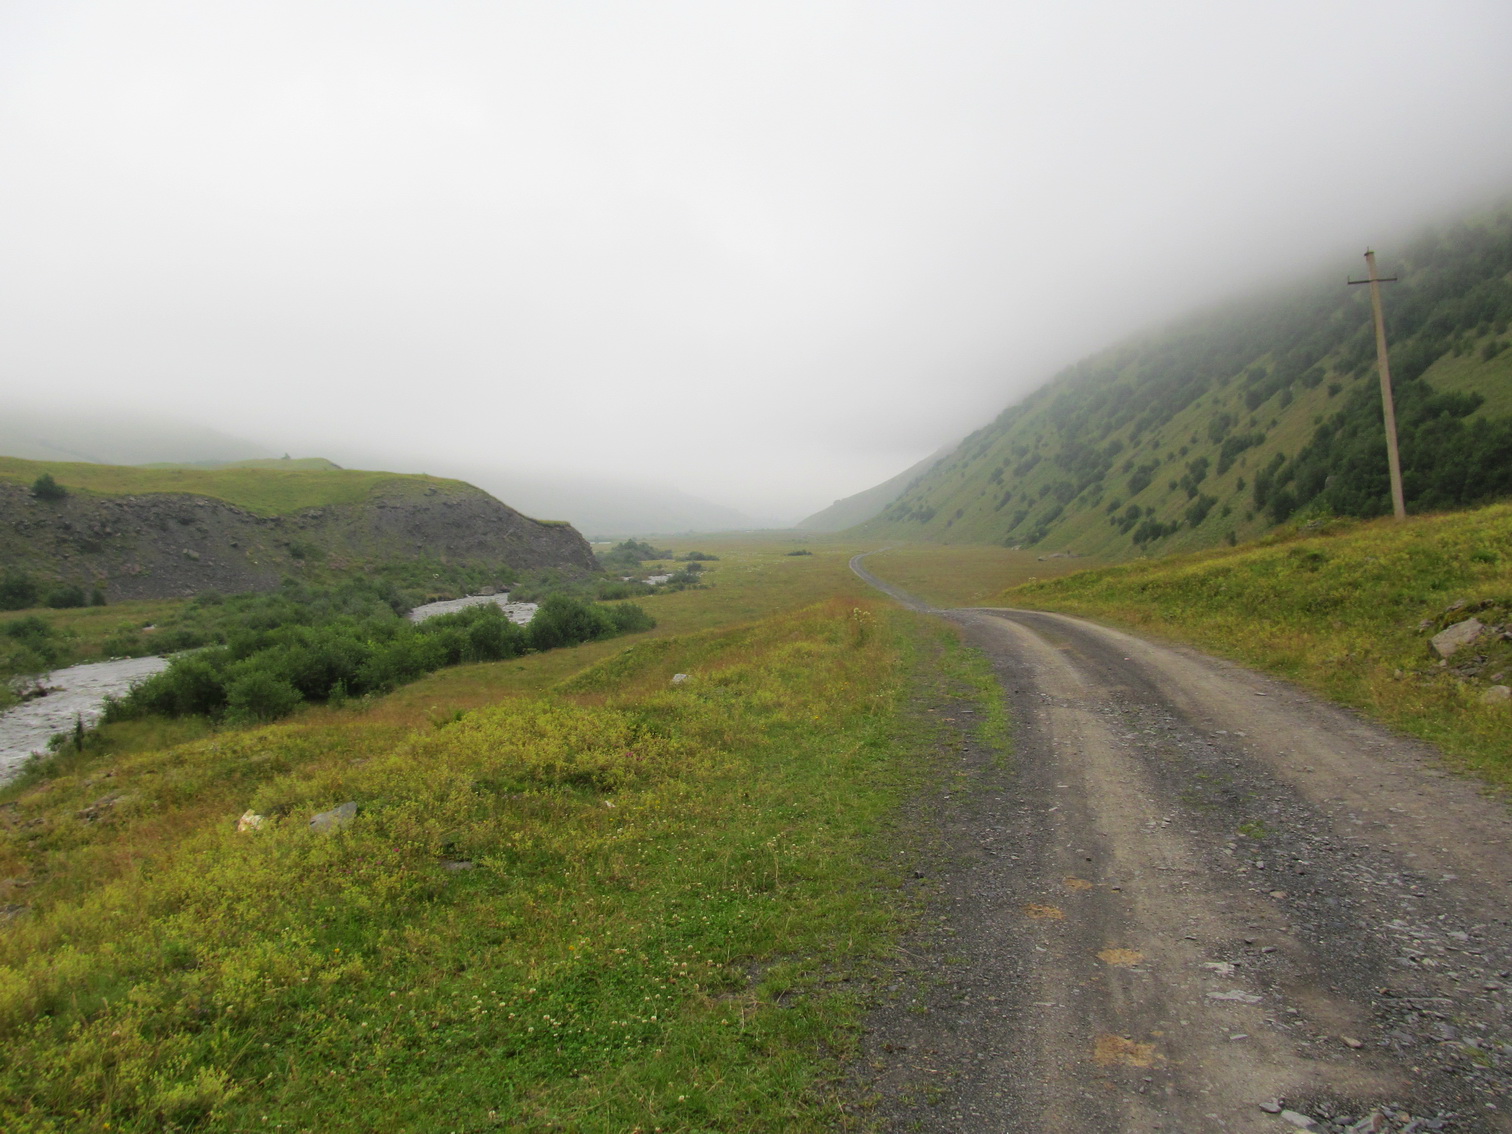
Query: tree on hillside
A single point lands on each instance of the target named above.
(46, 488)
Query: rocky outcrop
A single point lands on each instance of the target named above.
(164, 545)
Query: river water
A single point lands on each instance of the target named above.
(78, 691)
(518, 612)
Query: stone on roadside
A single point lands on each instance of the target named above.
(1497, 695)
(1300, 1121)
(334, 818)
(1447, 643)
(1237, 996)
(250, 821)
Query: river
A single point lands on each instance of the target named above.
(78, 691)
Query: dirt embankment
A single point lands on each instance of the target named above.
(174, 545)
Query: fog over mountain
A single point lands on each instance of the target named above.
(765, 255)
(603, 506)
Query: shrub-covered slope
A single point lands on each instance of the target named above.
(162, 533)
(1230, 422)
(617, 906)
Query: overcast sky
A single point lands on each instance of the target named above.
(772, 252)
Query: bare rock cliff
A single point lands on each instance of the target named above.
(169, 545)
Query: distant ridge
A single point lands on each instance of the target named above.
(307, 464)
(857, 509)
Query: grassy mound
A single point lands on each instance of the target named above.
(623, 904)
(1347, 610)
(268, 490)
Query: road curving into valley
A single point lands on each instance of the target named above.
(1197, 899)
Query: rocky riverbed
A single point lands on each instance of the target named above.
(517, 612)
(75, 693)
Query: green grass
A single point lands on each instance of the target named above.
(84, 634)
(673, 886)
(265, 491)
(753, 579)
(961, 574)
(254, 463)
(1346, 611)
(1470, 373)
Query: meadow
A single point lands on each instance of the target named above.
(267, 491)
(948, 575)
(574, 896)
(1345, 608)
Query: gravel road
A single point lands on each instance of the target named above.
(1195, 899)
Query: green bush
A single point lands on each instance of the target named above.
(66, 597)
(287, 653)
(46, 488)
(261, 695)
(631, 553)
(28, 645)
(565, 621)
(18, 592)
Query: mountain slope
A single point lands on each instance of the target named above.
(863, 506)
(161, 533)
(1227, 423)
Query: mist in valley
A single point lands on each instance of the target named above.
(730, 262)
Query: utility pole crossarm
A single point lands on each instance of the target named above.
(1388, 407)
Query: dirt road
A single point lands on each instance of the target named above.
(1197, 899)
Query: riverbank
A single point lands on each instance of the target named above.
(74, 694)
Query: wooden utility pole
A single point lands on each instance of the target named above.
(1388, 406)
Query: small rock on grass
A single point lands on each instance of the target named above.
(1447, 643)
(336, 817)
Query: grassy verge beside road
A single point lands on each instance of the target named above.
(618, 904)
(1348, 611)
(963, 575)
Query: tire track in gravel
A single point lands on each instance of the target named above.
(1198, 893)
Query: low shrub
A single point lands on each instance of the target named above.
(269, 667)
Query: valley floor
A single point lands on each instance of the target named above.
(1194, 898)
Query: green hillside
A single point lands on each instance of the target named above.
(1221, 426)
(267, 488)
(285, 463)
(1348, 609)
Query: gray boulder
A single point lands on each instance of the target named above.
(1447, 643)
(335, 818)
